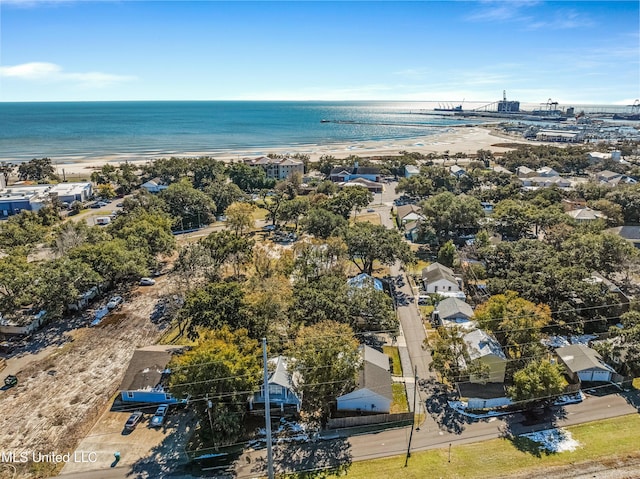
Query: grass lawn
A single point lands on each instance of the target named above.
(602, 442)
(393, 353)
(399, 403)
(373, 218)
(418, 267)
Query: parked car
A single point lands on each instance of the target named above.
(119, 205)
(160, 415)
(10, 381)
(133, 420)
(371, 210)
(115, 302)
(95, 205)
(147, 282)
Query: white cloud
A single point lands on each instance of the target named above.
(50, 72)
(500, 11)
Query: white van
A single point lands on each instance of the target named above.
(103, 220)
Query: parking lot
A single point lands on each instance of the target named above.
(162, 446)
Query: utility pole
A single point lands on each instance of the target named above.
(413, 423)
(267, 410)
(209, 406)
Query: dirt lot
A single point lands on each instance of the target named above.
(59, 398)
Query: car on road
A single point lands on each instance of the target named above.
(119, 205)
(133, 420)
(269, 228)
(115, 302)
(371, 210)
(147, 282)
(160, 416)
(10, 381)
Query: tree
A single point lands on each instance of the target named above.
(513, 219)
(223, 194)
(322, 223)
(106, 190)
(452, 215)
(447, 254)
(367, 243)
(106, 175)
(370, 309)
(516, 323)
(127, 178)
(23, 229)
(213, 306)
(6, 170)
(540, 382)
(313, 259)
(293, 210)
(448, 354)
(350, 199)
(191, 207)
(62, 282)
(37, 169)
(223, 247)
(223, 368)
(322, 299)
(267, 303)
(249, 178)
(240, 217)
(113, 260)
(146, 230)
(17, 279)
(327, 359)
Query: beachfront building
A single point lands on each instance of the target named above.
(276, 168)
(560, 136)
(17, 198)
(345, 174)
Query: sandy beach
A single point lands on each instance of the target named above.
(465, 140)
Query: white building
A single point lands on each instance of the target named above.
(277, 168)
(440, 279)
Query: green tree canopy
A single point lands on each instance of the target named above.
(540, 382)
(191, 208)
(367, 243)
(223, 367)
(327, 358)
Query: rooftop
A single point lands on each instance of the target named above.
(579, 357)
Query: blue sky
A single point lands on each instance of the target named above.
(572, 52)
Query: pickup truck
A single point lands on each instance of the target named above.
(159, 417)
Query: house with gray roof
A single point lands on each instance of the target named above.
(584, 364)
(586, 215)
(283, 400)
(453, 312)
(438, 278)
(630, 233)
(373, 393)
(486, 349)
(146, 378)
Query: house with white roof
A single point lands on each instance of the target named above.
(586, 215)
(411, 170)
(155, 185)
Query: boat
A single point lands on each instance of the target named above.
(325, 121)
(457, 108)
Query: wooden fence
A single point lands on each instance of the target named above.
(354, 421)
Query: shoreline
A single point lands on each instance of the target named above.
(456, 139)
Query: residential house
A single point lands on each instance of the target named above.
(155, 185)
(437, 278)
(610, 177)
(372, 186)
(525, 172)
(546, 171)
(485, 348)
(373, 393)
(411, 170)
(545, 181)
(630, 233)
(343, 174)
(609, 287)
(573, 204)
(453, 312)
(407, 213)
(584, 364)
(283, 400)
(457, 171)
(586, 215)
(276, 168)
(145, 380)
(501, 169)
(599, 157)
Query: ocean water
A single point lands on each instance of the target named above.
(71, 131)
